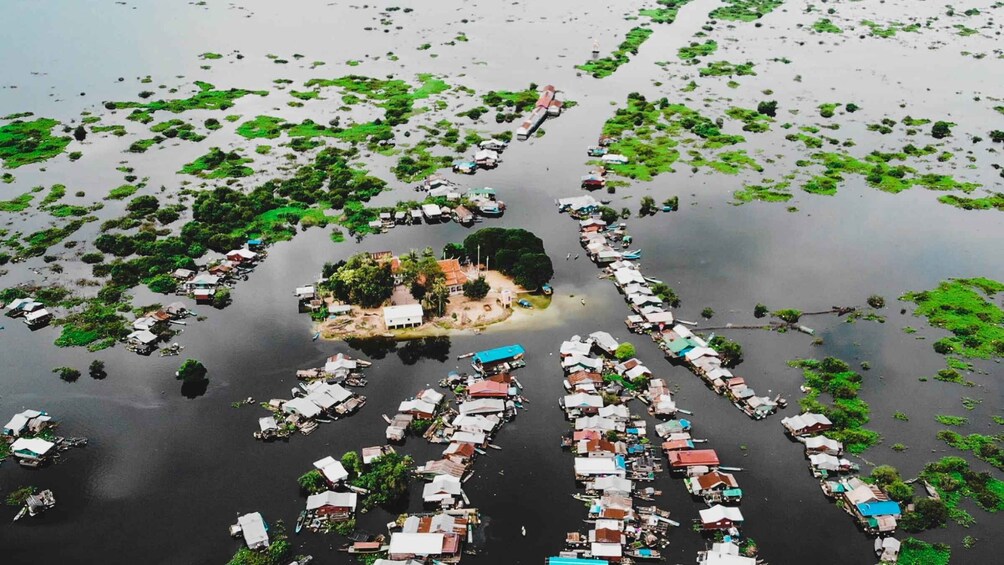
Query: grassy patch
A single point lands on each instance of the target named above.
(22, 143)
(984, 447)
(961, 306)
(218, 164)
(951, 420)
(17, 204)
(744, 10)
(916, 552)
(727, 69)
(824, 25)
(771, 192)
(207, 98)
(606, 66)
(121, 192)
(262, 127)
(848, 413)
(993, 202)
(665, 13)
(695, 50)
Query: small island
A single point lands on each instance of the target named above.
(472, 285)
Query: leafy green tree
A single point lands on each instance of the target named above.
(437, 298)
(68, 374)
(97, 369)
(162, 284)
(625, 351)
(941, 130)
(142, 206)
(708, 312)
(927, 513)
(759, 311)
(730, 352)
(667, 294)
(192, 371)
(362, 281)
(80, 133)
(767, 108)
(876, 301)
(997, 136)
(647, 206)
(221, 298)
(386, 480)
(884, 475)
(352, 463)
(476, 289)
(313, 482)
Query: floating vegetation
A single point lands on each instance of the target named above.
(961, 306)
(847, 412)
(744, 10)
(23, 143)
(951, 420)
(606, 66)
(768, 192)
(983, 447)
(827, 109)
(210, 56)
(40, 241)
(177, 128)
(665, 13)
(954, 480)
(695, 50)
(916, 552)
(890, 30)
(262, 127)
(993, 202)
(121, 192)
(17, 204)
(218, 164)
(116, 130)
(207, 98)
(727, 69)
(824, 25)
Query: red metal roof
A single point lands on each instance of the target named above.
(681, 459)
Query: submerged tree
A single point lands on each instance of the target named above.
(97, 369)
(192, 371)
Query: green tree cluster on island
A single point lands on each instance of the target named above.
(361, 280)
(514, 252)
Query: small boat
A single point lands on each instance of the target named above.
(316, 335)
(300, 520)
(546, 289)
(644, 553)
(667, 208)
(465, 355)
(523, 530)
(636, 254)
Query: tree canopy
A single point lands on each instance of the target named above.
(363, 281)
(514, 252)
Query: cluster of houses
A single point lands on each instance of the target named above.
(319, 398)
(612, 454)
(488, 156)
(547, 105)
(485, 402)
(651, 315)
(445, 201)
(32, 312)
(868, 504)
(28, 436)
(597, 177)
(417, 539)
(236, 265)
(151, 328)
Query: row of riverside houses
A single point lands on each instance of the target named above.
(33, 312)
(868, 504)
(612, 456)
(318, 398)
(704, 476)
(445, 201)
(488, 156)
(546, 106)
(651, 315)
(29, 437)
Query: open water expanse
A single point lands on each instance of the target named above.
(164, 475)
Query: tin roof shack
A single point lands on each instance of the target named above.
(254, 530)
(463, 216)
(584, 381)
(581, 404)
(330, 506)
(887, 549)
(415, 545)
(714, 487)
(872, 508)
(32, 452)
(444, 490)
(38, 318)
(499, 360)
(806, 424)
(588, 468)
(403, 316)
(578, 205)
(681, 461)
(822, 444)
(242, 256)
(488, 389)
(27, 421)
(725, 553)
(332, 469)
(720, 517)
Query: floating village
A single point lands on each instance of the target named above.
(387, 308)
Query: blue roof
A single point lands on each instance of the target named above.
(254, 242)
(883, 508)
(645, 552)
(499, 354)
(619, 462)
(574, 561)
